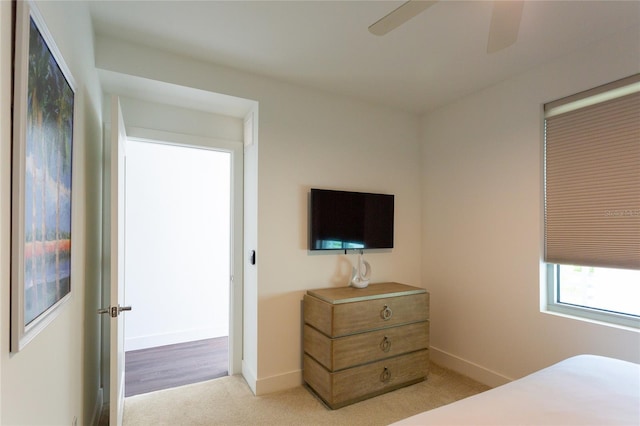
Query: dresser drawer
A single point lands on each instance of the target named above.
(345, 387)
(344, 319)
(344, 352)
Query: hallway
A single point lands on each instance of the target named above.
(163, 367)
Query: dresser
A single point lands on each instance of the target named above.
(362, 342)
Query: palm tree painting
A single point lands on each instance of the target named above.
(47, 180)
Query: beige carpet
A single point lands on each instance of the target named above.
(229, 401)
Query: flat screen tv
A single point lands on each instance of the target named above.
(343, 220)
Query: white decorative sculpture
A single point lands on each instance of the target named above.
(361, 273)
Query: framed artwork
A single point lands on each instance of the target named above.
(44, 95)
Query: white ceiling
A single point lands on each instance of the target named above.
(433, 59)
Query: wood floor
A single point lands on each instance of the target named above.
(148, 370)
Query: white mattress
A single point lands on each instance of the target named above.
(582, 390)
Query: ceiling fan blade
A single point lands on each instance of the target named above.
(399, 16)
(505, 23)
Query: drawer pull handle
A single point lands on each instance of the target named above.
(386, 313)
(385, 345)
(385, 376)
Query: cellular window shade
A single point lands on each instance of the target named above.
(592, 184)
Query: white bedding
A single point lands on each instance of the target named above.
(582, 390)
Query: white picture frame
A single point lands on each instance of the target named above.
(42, 167)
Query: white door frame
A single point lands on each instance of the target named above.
(236, 149)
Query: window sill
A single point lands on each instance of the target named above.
(594, 316)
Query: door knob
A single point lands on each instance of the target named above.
(113, 311)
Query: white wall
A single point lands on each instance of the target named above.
(315, 140)
(177, 244)
(174, 119)
(55, 378)
(306, 139)
(482, 201)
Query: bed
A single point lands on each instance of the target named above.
(582, 390)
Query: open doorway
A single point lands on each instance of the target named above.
(177, 265)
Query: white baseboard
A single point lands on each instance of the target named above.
(97, 408)
(154, 340)
(468, 368)
(271, 384)
(292, 379)
(279, 383)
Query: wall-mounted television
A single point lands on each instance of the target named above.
(343, 220)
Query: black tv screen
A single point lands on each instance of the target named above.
(343, 220)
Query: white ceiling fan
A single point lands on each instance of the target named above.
(503, 31)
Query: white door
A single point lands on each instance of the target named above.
(116, 368)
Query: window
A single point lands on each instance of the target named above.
(602, 294)
(592, 203)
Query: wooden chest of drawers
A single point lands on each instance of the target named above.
(359, 343)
